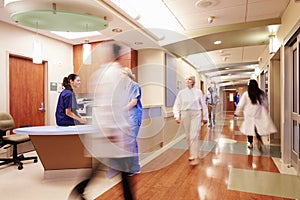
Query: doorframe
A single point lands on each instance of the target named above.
(288, 117)
(46, 95)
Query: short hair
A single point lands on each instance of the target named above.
(116, 50)
(191, 77)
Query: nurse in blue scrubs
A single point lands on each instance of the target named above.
(135, 109)
(66, 109)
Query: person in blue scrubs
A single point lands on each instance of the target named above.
(66, 109)
(135, 114)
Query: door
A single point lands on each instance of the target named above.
(295, 105)
(26, 92)
(228, 101)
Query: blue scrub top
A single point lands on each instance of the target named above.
(136, 112)
(66, 100)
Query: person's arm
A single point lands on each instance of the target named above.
(72, 115)
(217, 99)
(176, 108)
(132, 103)
(204, 108)
(265, 102)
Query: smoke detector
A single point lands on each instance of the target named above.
(205, 3)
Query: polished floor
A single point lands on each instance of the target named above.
(227, 170)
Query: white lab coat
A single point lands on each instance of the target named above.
(255, 115)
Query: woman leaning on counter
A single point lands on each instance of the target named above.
(66, 109)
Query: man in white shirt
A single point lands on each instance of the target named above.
(212, 99)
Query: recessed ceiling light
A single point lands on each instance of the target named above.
(218, 42)
(138, 43)
(116, 30)
(227, 68)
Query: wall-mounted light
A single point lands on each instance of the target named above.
(87, 53)
(37, 52)
(218, 42)
(37, 49)
(272, 44)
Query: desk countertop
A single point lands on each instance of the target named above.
(56, 130)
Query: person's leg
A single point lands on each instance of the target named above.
(250, 140)
(80, 187)
(185, 122)
(194, 136)
(209, 114)
(259, 140)
(214, 114)
(135, 165)
(127, 186)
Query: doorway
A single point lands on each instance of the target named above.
(228, 100)
(26, 92)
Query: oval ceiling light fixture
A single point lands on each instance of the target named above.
(69, 17)
(60, 20)
(218, 42)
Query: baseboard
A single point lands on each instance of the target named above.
(67, 173)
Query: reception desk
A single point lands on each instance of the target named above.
(59, 148)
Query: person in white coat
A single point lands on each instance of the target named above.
(257, 121)
(190, 109)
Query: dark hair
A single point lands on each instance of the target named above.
(255, 94)
(116, 51)
(66, 81)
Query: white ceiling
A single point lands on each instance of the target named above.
(242, 25)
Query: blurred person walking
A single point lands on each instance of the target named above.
(111, 144)
(190, 109)
(257, 121)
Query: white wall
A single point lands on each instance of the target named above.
(183, 69)
(18, 41)
(151, 73)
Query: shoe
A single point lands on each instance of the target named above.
(250, 146)
(209, 125)
(191, 158)
(134, 173)
(194, 162)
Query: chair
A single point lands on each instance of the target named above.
(7, 123)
